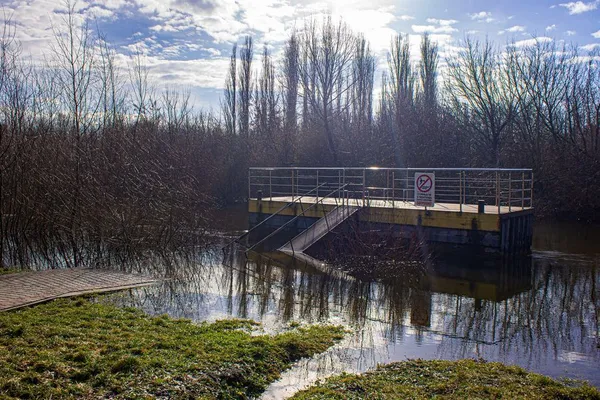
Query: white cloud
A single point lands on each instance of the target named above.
(550, 28)
(578, 7)
(433, 29)
(99, 12)
(482, 16)
(584, 59)
(444, 26)
(512, 29)
(591, 46)
(596, 34)
(442, 22)
(570, 33)
(374, 24)
(516, 28)
(532, 41)
(112, 4)
(405, 18)
(208, 73)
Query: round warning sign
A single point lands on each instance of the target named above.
(424, 183)
(424, 189)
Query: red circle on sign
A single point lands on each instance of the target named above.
(426, 180)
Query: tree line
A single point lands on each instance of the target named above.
(522, 104)
(94, 150)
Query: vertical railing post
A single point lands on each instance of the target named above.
(292, 187)
(460, 191)
(498, 192)
(340, 184)
(393, 189)
(509, 191)
(249, 184)
(317, 186)
(270, 186)
(522, 190)
(406, 185)
(363, 185)
(531, 189)
(465, 187)
(387, 185)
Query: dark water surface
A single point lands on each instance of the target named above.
(541, 312)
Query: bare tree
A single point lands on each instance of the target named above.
(74, 51)
(245, 92)
(363, 75)
(177, 110)
(480, 89)
(111, 85)
(266, 101)
(290, 81)
(142, 88)
(401, 94)
(230, 94)
(9, 55)
(328, 49)
(428, 68)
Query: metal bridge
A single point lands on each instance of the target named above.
(489, 207)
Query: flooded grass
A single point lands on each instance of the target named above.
(464, 379)
(78, 348)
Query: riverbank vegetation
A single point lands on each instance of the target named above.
(465, 379)
(92, 149)
(5, 271)
(78, 348)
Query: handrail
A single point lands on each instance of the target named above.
(295, 218)
(294, 200)
(499, 187)
(394, 169)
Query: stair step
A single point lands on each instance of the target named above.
(319, 229)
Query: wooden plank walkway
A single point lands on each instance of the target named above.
(27, 288)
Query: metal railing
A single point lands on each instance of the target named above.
(500, 187)
(295, 200)
(302, 212)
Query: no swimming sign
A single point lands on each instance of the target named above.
(424, 189)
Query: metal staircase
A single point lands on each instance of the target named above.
(319, 229)
(316, 231)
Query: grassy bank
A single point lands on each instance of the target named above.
(74, 348)
(465, 379)
(5, 271)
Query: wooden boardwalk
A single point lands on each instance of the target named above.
(28, 288)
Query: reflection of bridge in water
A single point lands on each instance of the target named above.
(477, 279)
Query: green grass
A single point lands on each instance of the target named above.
(76, 348)
(465, 379)
(5, 271)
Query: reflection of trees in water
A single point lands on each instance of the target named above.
(550, 308)
(558, 314)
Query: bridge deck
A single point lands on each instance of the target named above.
(397, 204)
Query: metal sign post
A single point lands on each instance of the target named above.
(424, 189)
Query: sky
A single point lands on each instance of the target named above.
(186, 43)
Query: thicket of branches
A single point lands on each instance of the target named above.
(94, 150)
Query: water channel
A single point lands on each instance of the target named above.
(540, 312)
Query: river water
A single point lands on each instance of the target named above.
(541, 312)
